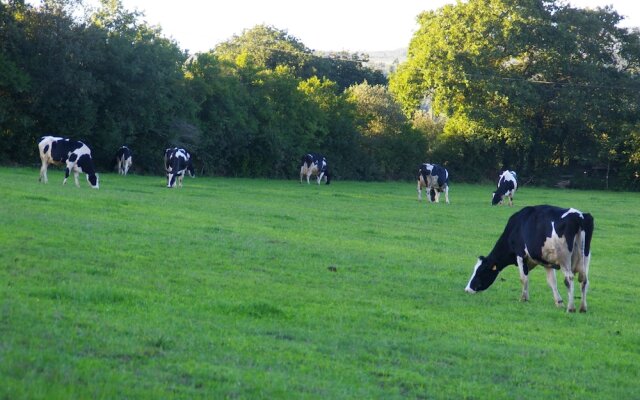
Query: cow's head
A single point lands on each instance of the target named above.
(171, 179)
(484, 274)
(432, 195)
(496, 198)
(94, 181)
(173, 175)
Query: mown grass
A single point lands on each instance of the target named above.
(240, 288)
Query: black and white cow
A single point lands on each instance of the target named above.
(435, 180)
(315, 164)
(124, 160)
(75, 155)
(177, 163)
(507, 186)
(557, 238)
(167, 156)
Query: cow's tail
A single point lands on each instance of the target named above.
(587, 226)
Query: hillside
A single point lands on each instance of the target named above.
(386, 60)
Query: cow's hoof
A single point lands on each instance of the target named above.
(583, 310)
(571, 310)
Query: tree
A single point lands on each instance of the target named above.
(265, 47)
(345, 69)
(14, 85)
(394, 148)
(538, 79)
(142, 101)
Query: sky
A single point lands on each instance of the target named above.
(328, 25)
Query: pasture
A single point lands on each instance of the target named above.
(240, 288)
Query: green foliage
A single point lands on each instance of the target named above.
(250, 107)
(532, 85)
(393, 146)
(346, 69)
(223, 289)
(265, 47)
(13, 84)
(108, 81)
(542, 78)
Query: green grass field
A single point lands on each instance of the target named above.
(240, 288)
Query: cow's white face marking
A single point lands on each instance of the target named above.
(475, 269)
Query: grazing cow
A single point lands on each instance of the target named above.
(124, 160)
(557, 238)
(75, 155)
(167, 156)
(507, 186)
(177, 163)
(315, 164)
(435, 180)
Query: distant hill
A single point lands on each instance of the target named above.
(386, 60)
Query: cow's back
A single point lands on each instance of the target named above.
(56, 149)
(534, 225)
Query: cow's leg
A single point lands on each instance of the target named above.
(584, 286)
(320, 177)
(581, 265)
(583, 301)
(301, 173)
(446, 193)
(66, 175)
(553, 284)
(524, 278)
(511, 200)
(43, 172)
(75, 177)
(568, 279)
(567, 265)
(419, 191)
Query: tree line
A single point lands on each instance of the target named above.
(530, 85)
(543, 88)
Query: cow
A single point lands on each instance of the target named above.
(556, 238)
(507, 186)
(177, 163)
(124, 160)
(435, 180)
(315, 164)
(167, 155)
(75, 155)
